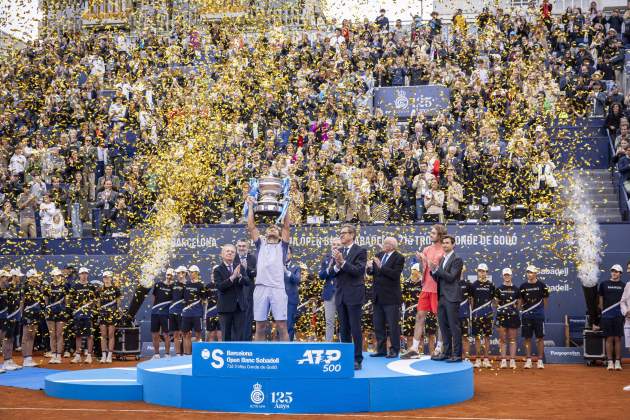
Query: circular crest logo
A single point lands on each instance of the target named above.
(257, 395)
(205, 354)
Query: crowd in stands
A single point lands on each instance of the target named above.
(78, 109)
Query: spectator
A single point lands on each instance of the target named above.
(624, 169)
(106, 201)
(382, 21)
(27, 204)
(454, 197)
(108, 176)
(47, 210)
(8, 221)
(120, 218)
(434, 202)
(56, 229)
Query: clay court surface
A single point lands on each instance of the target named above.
(558, 392)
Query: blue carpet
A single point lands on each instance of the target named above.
(27, 378)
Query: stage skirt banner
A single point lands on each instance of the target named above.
(273, 360)
(405, 101)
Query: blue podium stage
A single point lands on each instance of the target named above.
(239, 386)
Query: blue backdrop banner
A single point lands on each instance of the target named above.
(403, 101)
(273, 360)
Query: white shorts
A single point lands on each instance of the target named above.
(266, 297)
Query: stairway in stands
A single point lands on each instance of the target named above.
(602, 194)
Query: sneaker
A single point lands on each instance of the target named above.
(167, 356)
(477, 364)
(11, 366)
(528, 364)
(103, 358)
(411, 354)
(626, 388)
(48, 354)
(155, 357)
(28, 362)
(66, 354)
(618, 365)
(504, 364)
(512, 364)
(540, 364)
(109, 357)
(53, 360)
(58, 360)
(486, 364)
(88, 359)
(76, 358)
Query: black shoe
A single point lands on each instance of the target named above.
(357, 366)
(439, 358)
(391, 355)
(454, 360)
(378, 354)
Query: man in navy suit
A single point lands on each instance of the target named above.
(230, 277)
(386, 268)
(248, 261)
(327, 273)
(349, 269)
(447, 274)
(292, 277)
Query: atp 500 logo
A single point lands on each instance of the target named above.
(327, 358)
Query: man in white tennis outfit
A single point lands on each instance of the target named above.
(270, 291)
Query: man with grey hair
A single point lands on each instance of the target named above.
(386, 268)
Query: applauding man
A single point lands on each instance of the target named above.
(386, 268)
(230, 277)
(349, 274)
(447, 274)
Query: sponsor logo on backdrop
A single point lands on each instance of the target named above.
(319, 357)
(257, 396)
(242, 360)
(324, 240)
(279, 399)
(205, 354)
(573, 353)
(195, 242)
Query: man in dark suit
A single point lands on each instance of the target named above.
(386, 268)
(326, 273)
(230, 277)
(248, 261)
(349, 270)
(292, 277)
(447, 274)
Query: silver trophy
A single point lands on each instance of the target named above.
(269, 190)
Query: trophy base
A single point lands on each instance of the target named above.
(273, 210)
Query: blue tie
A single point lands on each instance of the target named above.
(385, 257)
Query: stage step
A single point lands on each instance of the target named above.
(113, 384)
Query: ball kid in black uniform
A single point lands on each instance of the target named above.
(612, 322)
(175, 309)
(534, 295)
(481, 295)
(55, 296)
(13, 293)
(108, 315)
(192, 312)
(82, 296)
(213, 327)
(32, 314)
(162, 299)
(507, 298)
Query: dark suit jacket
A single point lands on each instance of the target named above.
(448, 277)
(350, 279)
(328, 276)
(248, 290)
(230, 296)
(386, 283)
